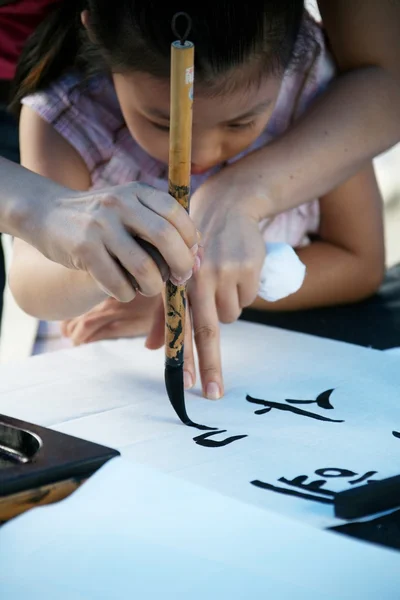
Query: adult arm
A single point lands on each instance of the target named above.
(356, 119)
(104, 221)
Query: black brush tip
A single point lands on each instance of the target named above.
(176, 394)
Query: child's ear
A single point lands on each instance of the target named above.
(85, 19)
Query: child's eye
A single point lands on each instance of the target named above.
(160, 127)
(241, 125)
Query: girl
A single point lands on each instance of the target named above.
(102, 119)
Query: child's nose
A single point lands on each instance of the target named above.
(206, 154)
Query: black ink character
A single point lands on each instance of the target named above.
(314, 490)
(203, 439)
(323, 401)
(396, 434)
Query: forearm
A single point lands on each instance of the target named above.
(356, 119)
(334, 276)
(24, 199)
(47, 290)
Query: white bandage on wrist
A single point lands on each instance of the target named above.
(282, 273)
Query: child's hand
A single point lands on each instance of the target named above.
(227, 281)
(234, 253)
(87, 230)
(112, 319)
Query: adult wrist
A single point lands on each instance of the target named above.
(15, 215)
(31, 208)
(25, 200)
(255, 185)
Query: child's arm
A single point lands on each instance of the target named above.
(347, 263)
(50, 291)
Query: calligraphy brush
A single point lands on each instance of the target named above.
(180, 143)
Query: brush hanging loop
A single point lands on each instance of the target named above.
(181, 37)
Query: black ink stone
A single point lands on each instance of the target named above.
(382, 530)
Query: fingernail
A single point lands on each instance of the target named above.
(212, 391)
(176, 280)
(187, 380)
(197, 264)
(198, 235)
(194, 249)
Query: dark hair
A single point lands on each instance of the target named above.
(136, 35)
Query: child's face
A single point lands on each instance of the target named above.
(223, 126)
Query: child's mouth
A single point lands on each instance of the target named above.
(196, 170)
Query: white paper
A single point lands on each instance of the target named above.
(131, 532)
(114, 393)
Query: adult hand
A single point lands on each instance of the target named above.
(112, 319)
(228, 280)
(95, 232)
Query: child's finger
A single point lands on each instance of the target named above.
(65, 327)
(110, 304)
(82, 328)
(189, 368)
(207, 338)
(88, 325)
(71, 326)
(119, 329)
(156, 337)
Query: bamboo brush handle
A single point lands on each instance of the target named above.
(182, 69)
